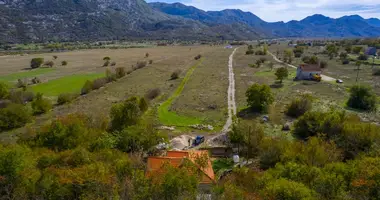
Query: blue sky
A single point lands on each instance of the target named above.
(286, 10)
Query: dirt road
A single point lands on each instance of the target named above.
(324, 77)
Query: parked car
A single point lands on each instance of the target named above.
(198, 140)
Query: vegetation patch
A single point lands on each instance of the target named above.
(171, 118)
(67, 84)
(26, 74)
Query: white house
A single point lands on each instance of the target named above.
(306, 72)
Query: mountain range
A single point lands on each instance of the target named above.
(76, 20)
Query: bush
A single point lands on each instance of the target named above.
(299, 106)
(260, 53)
(36, 63)
(262, 60)
(298, 54)
(87, 87)
(4, 90)
(106, 58)
(362, 97)
(285, 189)
(153, 93)
(345, 62)
(259, 97)
(175, 74)
(120, 72)
(143, 104)
(98, 83)
(41, 105)
(125, 114)
(55, 57)
(36, 80)
(49, 63)
(106, 63)
(249, 52)
(14, 116)
(198, 57)
(65, 98)
(323, 64)
(146, 55)
(21, 97)
(150, 62)
(140, 64)
(113, 63)
(21, 83)
(64, 63)
(362, 56)
(110, 77)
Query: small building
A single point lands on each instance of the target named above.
(176, 159)
(219, 152)
(307, 72)
(371, 51)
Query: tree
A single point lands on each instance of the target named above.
(288, 56)
(343, 56)
(4, 90)
(357, 49)
(323, 64)
(332, 50)
(41, 105)
(362, 97)
(282, 73)
(14, 116)
(36, 63)
(348, 49)
(107, 58)
(64, 63)
(299, 106)
(143, 104)
(125, 114)
(259, 97)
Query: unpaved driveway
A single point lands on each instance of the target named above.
(324, 77)
(221, 138)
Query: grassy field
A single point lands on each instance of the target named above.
(170, 118)
(26, 74)
(67, 84)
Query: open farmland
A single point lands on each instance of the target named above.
(208, 74)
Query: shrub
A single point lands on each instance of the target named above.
(41, 105)
(120, 72)
(106, 58)
(150, 62)
(21, 83)
(113, 63)
(129, 71)
(125, 114)
(253, 65)
(198, 57)
(98, 83)
(4, 90)
(362, 56)
(110, 77)
(49, 63)
(65, 98)
(249, 52)
(106, 63)
(175, 74)
(357, 49)
(140, 64)
(299, 106)
(298, 54)
(14, 116)
(345, 62)
(286, 189)
(146, 55)
(64, 63)
(260, 52)
(262, 60)
(323, 64)
(21, 97)
(36, 62)
(87, 87)
(259, 97)
(362, 97)
(55, 57)
(153, 93)
(36, 80)
(143, 104)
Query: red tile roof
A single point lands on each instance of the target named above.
(175, 159)
(310, 68)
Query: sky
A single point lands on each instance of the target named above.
(286, 10)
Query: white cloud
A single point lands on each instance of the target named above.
(286, 10)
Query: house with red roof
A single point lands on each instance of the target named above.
(307, 71)
(177, 158)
